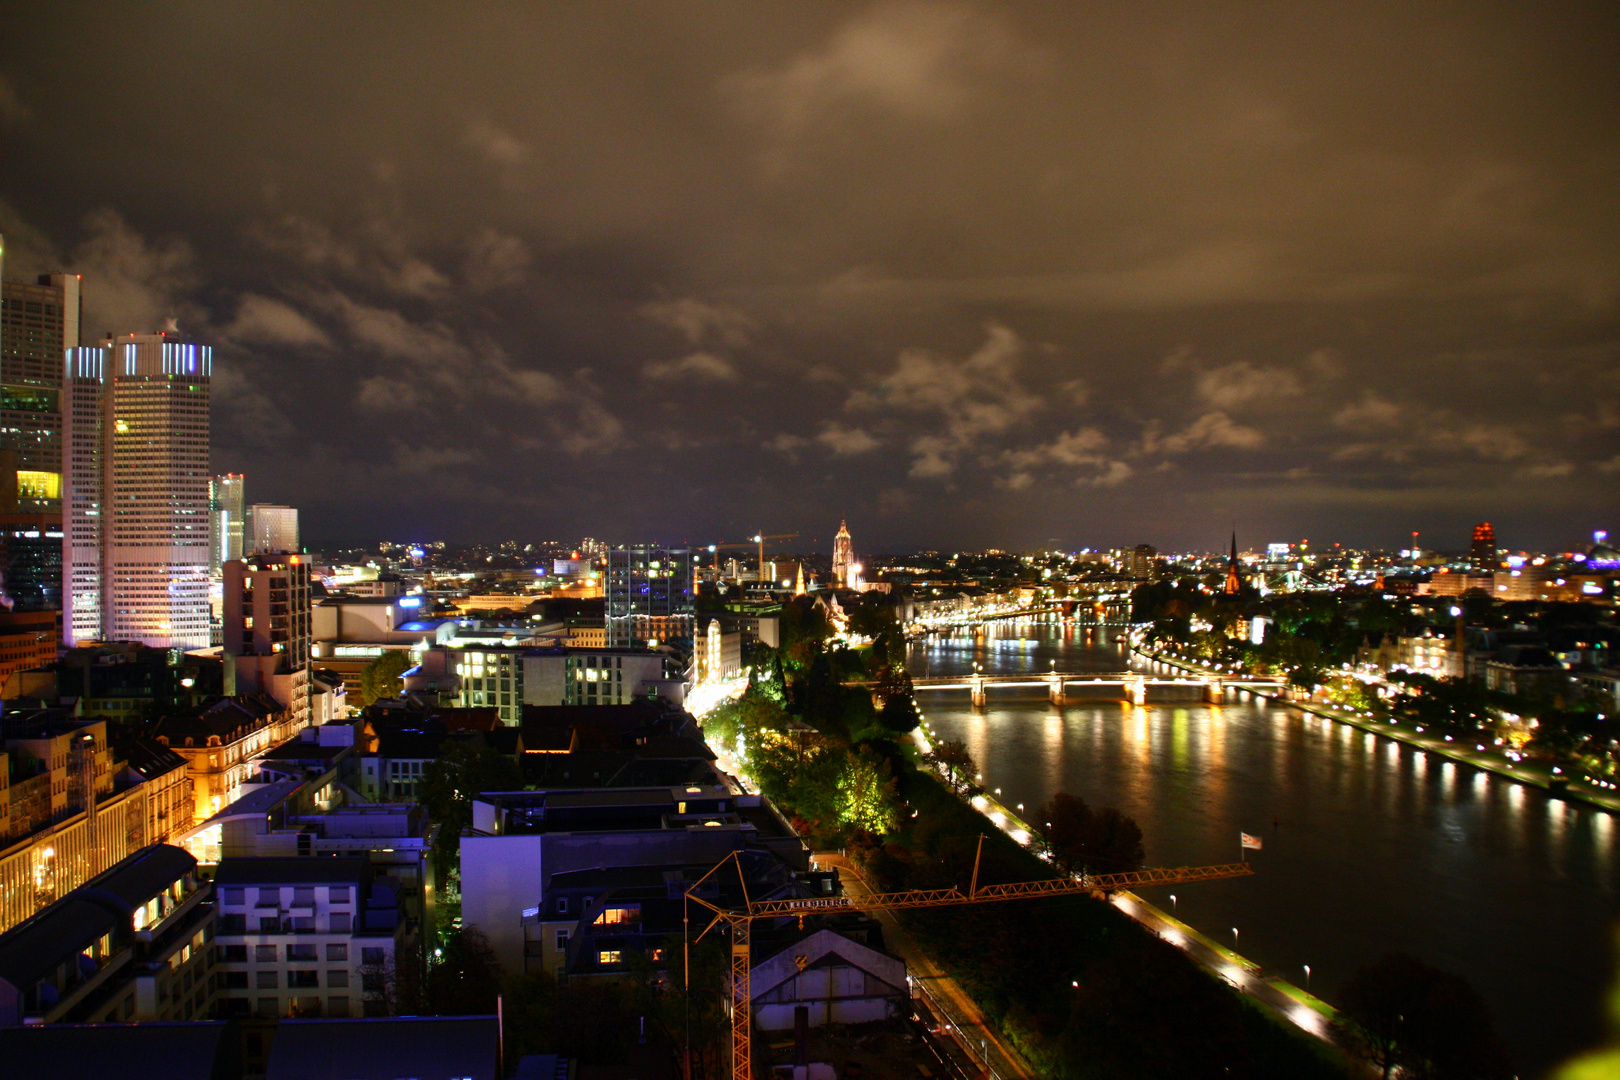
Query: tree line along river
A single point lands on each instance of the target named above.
(1370, 846)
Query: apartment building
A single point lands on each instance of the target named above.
(309, 937)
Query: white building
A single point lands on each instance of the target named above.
(136, 438)
(307, 937)
(275, 528)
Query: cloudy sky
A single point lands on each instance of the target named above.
(967, 274)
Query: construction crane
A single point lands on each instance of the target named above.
(760, 540)
(740, 921)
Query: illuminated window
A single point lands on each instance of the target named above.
(619, 916)
(608, 956)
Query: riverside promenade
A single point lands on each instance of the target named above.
(1531, 773)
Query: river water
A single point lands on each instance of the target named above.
(1369, 846)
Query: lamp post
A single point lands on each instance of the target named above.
(1172, 903)
(1307, 968)
(1234, 938)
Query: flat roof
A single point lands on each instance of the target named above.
(144, 1051)
(386, 1048)
(290, 870)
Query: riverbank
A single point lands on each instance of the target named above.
(1275, 994)
(1531, 774)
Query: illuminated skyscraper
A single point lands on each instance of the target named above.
(225, 520)
(37, 322)
(843, 556)
(274, 528)
(135, 437)
(1484, 547)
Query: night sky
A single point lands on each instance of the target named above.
(967, 274)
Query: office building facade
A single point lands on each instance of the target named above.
(136, 441)
(226, 520)
(275, 528)
(267, 630)
(649, 596)
(38, 322)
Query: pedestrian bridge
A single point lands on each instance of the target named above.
(1133, 685)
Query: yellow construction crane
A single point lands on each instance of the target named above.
(739, 921)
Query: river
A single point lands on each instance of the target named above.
(1369, 846)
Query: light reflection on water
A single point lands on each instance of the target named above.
(1369, 845)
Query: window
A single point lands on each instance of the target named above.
(270, 925)
(235, 954)
(236, 895)
(337, 952)
(337, 1006)
(371, 956)
(236, 980)
(267, 980)
(608, 956)
(267, 1008)
(233, 924)
(619, 916)
(562, 940)
(304, 895)
(562, 905)
(337, 978)
(371, 982)
(264, 954)
(302, 954)
(340, 922)
(303, 980)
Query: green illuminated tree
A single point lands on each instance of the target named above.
(381, 678)
(867, 794)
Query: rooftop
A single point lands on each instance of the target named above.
(295, 870)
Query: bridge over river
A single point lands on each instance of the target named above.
(1133, 685)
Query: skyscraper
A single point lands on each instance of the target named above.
(37, 323)
(135, 436)
(843, 556)
(649, 595)
(275, 528)
(267, 629)
(225, 520)
(1484, 546)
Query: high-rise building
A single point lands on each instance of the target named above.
(225, 520)
(275, 528)
(267, 633)
(135, 438)
(843, 556)
(1139, 562)
(37, 323)
(1484, 546)
(649, 596)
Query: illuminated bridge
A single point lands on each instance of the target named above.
(1133, 685)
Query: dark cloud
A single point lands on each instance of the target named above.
(966, 273)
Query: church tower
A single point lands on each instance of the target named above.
(1234, 577)
(843, 556)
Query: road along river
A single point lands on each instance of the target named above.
(1369, 845)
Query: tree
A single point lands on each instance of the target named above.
(381, 678)
(1080, 839)
(900, 714)
(1430, 1023)
(952, 760)
(464, 975)
(463, 769)
(866, 790)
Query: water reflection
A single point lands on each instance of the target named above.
(1369, 845)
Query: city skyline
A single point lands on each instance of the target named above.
(968, 275)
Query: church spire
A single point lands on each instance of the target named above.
(1234, 575)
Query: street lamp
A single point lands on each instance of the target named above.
(1234, 937)
(1172, 902)
(1307, 968)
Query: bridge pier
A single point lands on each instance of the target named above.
(976, 691)
(1214, 692)
(1054, 688)
(1136, 687)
